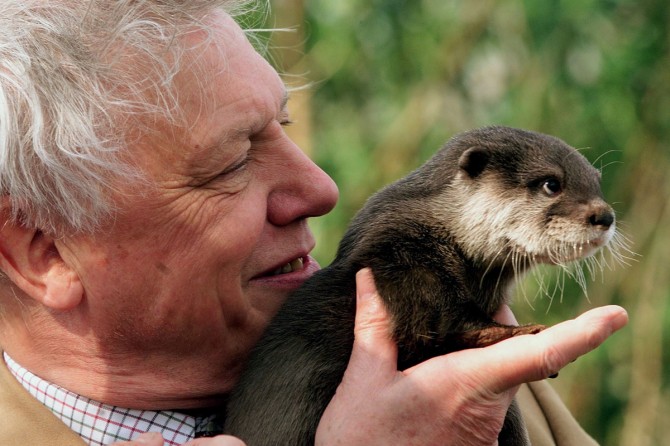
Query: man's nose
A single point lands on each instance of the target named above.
(303, 190)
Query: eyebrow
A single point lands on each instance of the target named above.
(241, 131)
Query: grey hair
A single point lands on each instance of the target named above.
(70, 85)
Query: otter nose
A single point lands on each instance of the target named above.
(603, 218)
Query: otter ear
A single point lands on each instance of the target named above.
(473, 161)
(31, 260)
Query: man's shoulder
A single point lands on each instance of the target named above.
(25, 420)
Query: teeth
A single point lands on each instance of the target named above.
(295, 265)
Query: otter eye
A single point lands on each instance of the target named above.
(551, 187)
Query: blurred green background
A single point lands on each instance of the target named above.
(391, 80)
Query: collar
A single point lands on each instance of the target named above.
(102, 424)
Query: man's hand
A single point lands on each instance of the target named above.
(155, 439)
(460, 398)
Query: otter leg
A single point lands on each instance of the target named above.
(486, 336)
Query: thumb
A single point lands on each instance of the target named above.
(374, 348)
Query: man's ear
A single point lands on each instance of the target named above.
(31, 260)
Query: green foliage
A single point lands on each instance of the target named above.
(393, 79)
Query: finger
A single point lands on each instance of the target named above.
(538, 356)
(505, 316)
(219, 440)
(146, 439)
(374, 348)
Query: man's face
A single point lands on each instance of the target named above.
(188, 270)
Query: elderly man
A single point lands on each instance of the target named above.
(154, 217)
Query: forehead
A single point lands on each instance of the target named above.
(229, 83)
(225, 91)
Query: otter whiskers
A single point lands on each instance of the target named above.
(616, 253)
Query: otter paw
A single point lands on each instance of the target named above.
(528, 329)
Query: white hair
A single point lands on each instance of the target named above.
(74, 76)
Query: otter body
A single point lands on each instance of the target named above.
(445, 244)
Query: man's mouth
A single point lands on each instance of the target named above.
(294, 265)
(290, 275)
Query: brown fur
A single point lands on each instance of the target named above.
(445, 244)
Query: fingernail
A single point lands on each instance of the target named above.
(365, 284)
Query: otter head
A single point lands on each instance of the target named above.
(520, 198)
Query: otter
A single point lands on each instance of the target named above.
(445, 245)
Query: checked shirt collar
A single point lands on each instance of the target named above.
(101, 424)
